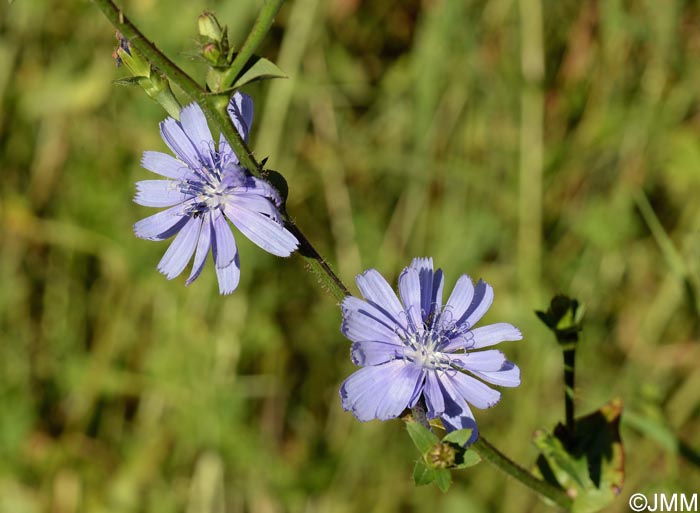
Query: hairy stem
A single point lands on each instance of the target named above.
(489, 453)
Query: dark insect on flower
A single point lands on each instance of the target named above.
(123, 45)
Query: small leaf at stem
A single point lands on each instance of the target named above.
(459, 437)
(443, 478)
(261, 69)
(422, 437)
(469, 459)
(422, 474)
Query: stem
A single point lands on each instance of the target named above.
(260, 29)
(489, 453)
(115, 15)
(214, 106)
(319, 266)
(569, 380)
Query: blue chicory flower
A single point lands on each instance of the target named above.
(422, 349)
(203, 188)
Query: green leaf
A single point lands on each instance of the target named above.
(459, 437)
(422, 437)
(128, 81)
(443, 478)
(260, 70)
(423, 474)
(589, 465)
(469, 459)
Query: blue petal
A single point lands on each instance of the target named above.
(229, 276)
(172, 133)
(254, 202)
(494, 334)
(491, 360)
(434, 398)
(375, 288)
(435, 300)
(263, 231)
(265, 189)
(165, 165)
(380, 392)
(473, 391)
(364, 322)
(457, 414)
(158, 193)
(240, 108)
(203, 245)
(491, 366)
(224, 244)
(164, 224)
(460, 299)
(381, 323)
(431, 284)
(180, 251)
(195, 127)
(410, 291)
(483, 297)
(507, 376)
(374, 352)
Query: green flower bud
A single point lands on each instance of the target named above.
(211, 53)
(209, 26)
(564, 317)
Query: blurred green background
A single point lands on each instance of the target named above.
(561, 156)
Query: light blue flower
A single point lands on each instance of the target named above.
(204, 187)
(417, 348)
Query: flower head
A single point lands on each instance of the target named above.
(204, 187)
(417, 348)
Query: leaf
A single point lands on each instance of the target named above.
(469, 459)
(128, 81)
(422, 437)
(562, 465)
(423, 474)
(459, 437)
(443, 478)
(260, 70)
(588, 466)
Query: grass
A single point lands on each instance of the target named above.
(405, 129)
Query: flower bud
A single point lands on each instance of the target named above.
(126, 54)
(564, 317)
(211, 53)
(209, 26)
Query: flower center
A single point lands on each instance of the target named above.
(213, 194)
(422, 345)
(212, 184)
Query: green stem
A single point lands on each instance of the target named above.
(260, 29)
(569, 382)
(214, 106)
(489, 453)
(115, 15)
